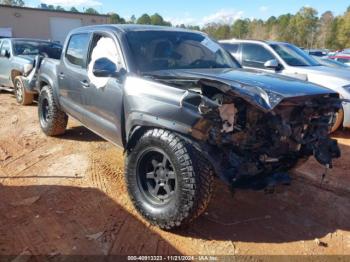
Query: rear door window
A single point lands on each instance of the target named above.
(254, 55)
(6, 46)
(77, 49)
(232, 48)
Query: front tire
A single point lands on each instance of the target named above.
(52, 120)
(23, 97)
(168, 180)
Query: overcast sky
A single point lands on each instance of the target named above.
(199, 12)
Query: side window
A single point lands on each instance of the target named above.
(103, 47)
(232, 48)
(254, 55)
(6, 46)
(77, 49)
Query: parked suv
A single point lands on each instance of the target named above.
(19, 60)
(287, 59)
(183, 110)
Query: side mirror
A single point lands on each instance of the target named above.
(5, 53)
(103, 67)
(271, 64)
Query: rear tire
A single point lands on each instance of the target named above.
(23, 97)
(52, 120)
(169, 181)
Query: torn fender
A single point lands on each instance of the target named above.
(149, 103)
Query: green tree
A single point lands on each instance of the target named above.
(12, 2)
(304, 27)
(343, 30)
(156, 19)
(60, 8)
(132, 19)
(116, 19)
(324, 28)
(145, 19)
(91, 11)
(332, 40)
(217, 31)
(240, 28)
(257, 30)
(73, 9)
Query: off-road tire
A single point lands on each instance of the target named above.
(52, 120)
(194, 180)
(23, 97)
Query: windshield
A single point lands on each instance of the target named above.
(329, 62)
(293, 55)
(163, 50)
(47, 49)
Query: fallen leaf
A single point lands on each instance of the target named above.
(26, 202)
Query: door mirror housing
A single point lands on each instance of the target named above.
(271, 64)
(103, 67)
(5, 53)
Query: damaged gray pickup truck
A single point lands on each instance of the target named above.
(19, 61)
(184, 112)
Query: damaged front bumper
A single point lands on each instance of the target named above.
(250, 148)
(29, 80)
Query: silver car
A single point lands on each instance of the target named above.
(19, 60)
(287, 59)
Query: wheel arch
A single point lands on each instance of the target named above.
(14, 74)
(140, 126)
(47, 81)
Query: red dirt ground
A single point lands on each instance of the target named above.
(67, 196)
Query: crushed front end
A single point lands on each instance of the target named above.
(251, 147)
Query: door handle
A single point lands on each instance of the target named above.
(85, 83)
(61, 75)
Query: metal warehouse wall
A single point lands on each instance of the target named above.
(39, 23)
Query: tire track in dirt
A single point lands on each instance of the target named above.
(106, 167)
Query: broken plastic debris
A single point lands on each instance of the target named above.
(227, 114)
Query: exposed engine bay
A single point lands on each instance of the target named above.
(244, 142)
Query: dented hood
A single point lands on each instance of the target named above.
(262, 89)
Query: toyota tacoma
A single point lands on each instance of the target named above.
(184, 111)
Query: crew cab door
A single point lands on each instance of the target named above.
(72, 75)
(5, 63)
(103, 98)
(254, 56)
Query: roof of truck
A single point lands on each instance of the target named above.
(29, 39)
(135, 27)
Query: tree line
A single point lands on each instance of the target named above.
(305, 28)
